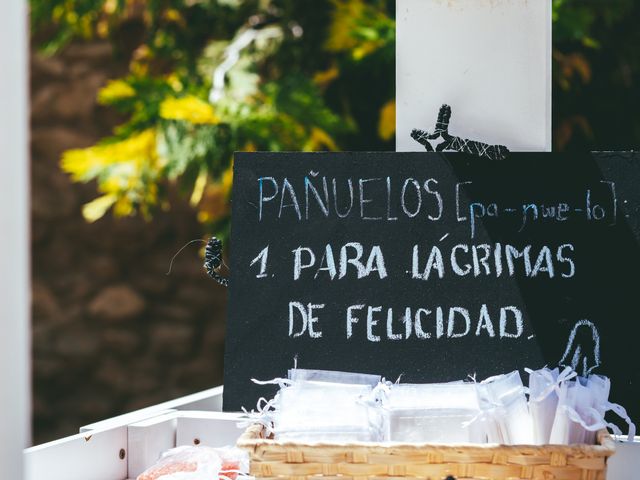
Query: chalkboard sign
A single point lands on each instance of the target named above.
(433, 266)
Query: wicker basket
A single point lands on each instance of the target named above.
(370, 461)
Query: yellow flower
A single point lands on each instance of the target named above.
(213, 200)
(324, 78)
(71, 17)
(189, 108)
(173, 15)
(227, 180)
(354, 27)
(85, 164)
(95, 209)
(123, 207)
(140, 60)
(214, 205)
(86, 26)
(126, 171)
(57, 13)
(174, 82)
(110, 7)
(102, 28)
(115, 90)
(122, 177)
(198, 187)
(319, 140)
(387, 122)
(343, 23)
(365, 49)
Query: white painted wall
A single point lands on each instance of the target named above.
(489, 59)
(14, 240)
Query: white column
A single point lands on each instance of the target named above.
(14, 241)
(489, 59)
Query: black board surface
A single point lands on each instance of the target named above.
(433, 266)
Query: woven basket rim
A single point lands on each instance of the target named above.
(252, 438)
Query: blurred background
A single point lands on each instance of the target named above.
(136, 109)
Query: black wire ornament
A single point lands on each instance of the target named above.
(213, 260)
(441, 140)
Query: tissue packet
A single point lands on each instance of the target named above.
(437, 413)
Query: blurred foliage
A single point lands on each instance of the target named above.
(596, 85)
(209, 77)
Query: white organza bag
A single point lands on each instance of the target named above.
(322, 406)
(506, 413)
(575, 416)
(325, 412)
(437, 413)
(582, 405)
(600, 387)
(490, 413)
(544, 385)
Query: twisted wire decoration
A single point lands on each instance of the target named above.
(213, 260)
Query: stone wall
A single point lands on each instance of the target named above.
(111, 331)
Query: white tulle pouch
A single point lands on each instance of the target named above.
(326, 412)
(489, 417)
(320, 406)
(600, 387)
(575, 416)
(436, 413)
(544, 385)
(504, 398)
